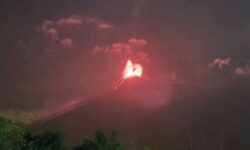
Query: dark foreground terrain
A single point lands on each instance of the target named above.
(212, 119)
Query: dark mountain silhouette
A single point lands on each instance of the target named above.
(204, 119)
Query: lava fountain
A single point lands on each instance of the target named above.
(131, 70)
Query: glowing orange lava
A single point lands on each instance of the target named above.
(132, 70)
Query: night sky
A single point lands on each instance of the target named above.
(61, 55)
(55, 51)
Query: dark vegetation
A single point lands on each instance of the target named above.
(15, 136)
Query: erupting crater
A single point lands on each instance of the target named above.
(132, 70)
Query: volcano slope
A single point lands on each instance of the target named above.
(204, 119)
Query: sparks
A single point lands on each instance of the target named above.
(132, 70)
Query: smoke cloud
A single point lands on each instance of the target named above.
(133, 48)
(239, 71)
(221, 63)
(66, 42)
(243, 70)
(73, 20)
(105, 26)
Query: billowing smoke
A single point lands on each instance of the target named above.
(133, 48)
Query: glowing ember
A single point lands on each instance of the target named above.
(132, 70)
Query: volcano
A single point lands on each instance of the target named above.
(122, 110)
(187, 120)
